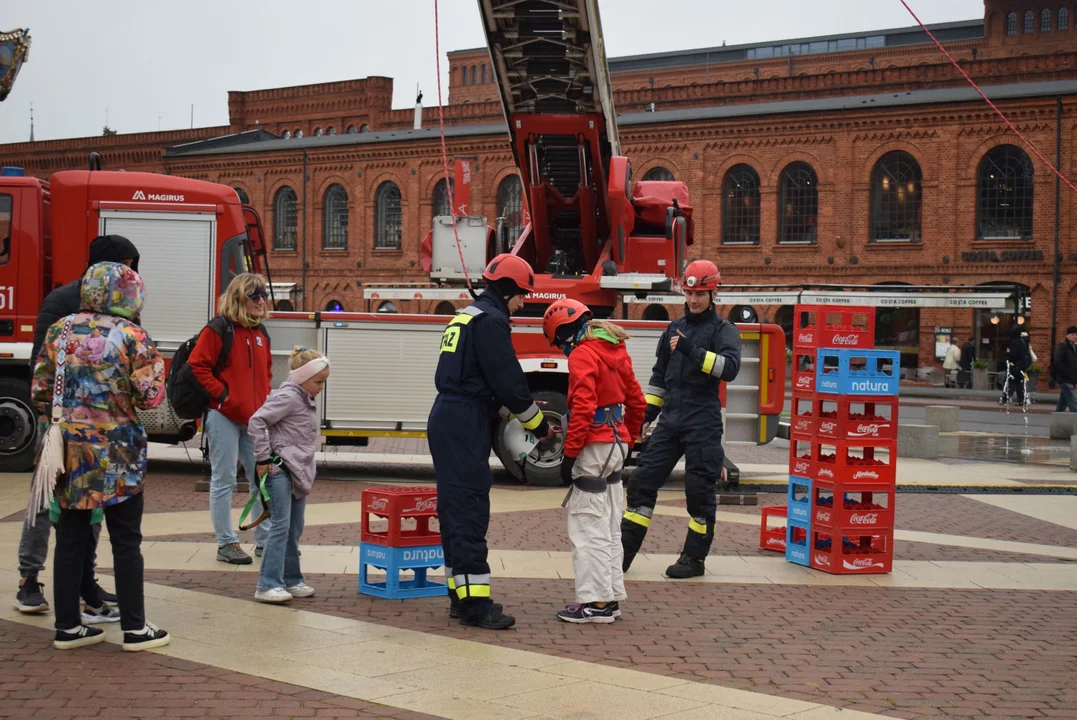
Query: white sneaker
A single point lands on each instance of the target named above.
(273, 595)
(301, 590)
(104, 614)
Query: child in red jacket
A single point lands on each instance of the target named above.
(606, 412)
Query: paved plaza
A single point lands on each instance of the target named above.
(978, 619)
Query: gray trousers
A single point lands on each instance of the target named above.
(34, 544)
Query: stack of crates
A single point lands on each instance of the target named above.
(399, 534)
(842, 443)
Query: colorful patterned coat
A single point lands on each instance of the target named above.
(113, 370)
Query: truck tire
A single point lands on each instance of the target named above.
(18, 425)
(544, 470)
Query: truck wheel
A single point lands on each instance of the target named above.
(18, 425)
(543, 467)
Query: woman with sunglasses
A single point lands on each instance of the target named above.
(236, 391)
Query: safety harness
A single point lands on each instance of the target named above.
(263, 493)
(608, 415)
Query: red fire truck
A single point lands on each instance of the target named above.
(192, 237)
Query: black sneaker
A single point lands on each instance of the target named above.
(587, 613)
(103, 614)
(494, 619)
(79, 637)
(149, 637)
(615, 609)
(29, 599)
(685, 567)
(107, 597)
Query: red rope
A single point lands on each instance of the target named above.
(445, 156)
(976, 87)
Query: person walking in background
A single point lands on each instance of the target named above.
(236, 390)
(285, 434)
(1064, 370)
(34, 543)
(968, 355)
(109, 370)
(1018, 361)
(951, 364)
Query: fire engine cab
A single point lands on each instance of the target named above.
(192, 237)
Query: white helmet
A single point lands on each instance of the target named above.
(518, 442)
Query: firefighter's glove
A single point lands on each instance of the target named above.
(566, 469)
(543, 431)
(652, 413)
(684, 345)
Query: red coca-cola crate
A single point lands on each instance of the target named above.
(846, 552)
(857, 507)
(772, 538)
(801, 455)
(804, 413)
(866, 462)
(400, 516)
(803, 369)
(856, 417)
(833, 326)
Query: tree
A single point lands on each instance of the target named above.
(108, 131)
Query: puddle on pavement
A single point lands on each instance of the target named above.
(1030, 450)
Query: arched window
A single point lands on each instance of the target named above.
(474, 74)
(1045, 20)
(798, 204)
(740, 206)
(298, 134)
(896, 196)
(1004, 194)
(334, 306)
(387, 217)
(352, 130)
(364, 128)
(331, 131)
(656, 312)
(242, 194)
(463, 74)
(442, 201)
(318, 132)
(387, 307)
(335, 218)
(284, 306)
(483, 74)
(1063, 19)
(287, 135)
(285, 217)
(510, 206)
(1030, 22)
(445, 308)
(783, 318)
(1011, 24)
(659, 173)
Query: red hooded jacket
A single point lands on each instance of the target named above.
(247, 376)
(600, 374)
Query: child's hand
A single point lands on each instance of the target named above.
(261, 470)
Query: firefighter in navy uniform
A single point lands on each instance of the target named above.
(477, 375)
(695, 354)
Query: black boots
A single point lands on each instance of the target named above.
(685, 567)
(494, 619)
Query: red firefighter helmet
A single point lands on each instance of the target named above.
(511, 267)
(563, 314)
(701, 275)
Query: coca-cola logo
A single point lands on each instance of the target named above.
(423, 505)
(822, 560)
(775, 542)
(865, 519)
(827, 426)
(861, 564)
(803, 424)
(825, 472)
(804, 381)
(848, 340)
(378, 504)
(823, 516)
(805, 337)
(865, 474)
(800, 466)
(872, 429)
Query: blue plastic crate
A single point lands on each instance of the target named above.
(418, 559)
(872, 379)
(799, 509)
(794, 552)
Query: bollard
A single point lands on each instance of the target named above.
(1073, 452)
(946, 417)
(918, 441)
(1063, 425)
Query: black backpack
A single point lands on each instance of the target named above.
(188, 398)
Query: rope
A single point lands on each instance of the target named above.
(445, 155)
(1026, 141)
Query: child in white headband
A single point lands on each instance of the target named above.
(285, 435)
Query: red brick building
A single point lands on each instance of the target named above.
(853, 159)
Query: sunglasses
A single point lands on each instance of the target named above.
(259, 296)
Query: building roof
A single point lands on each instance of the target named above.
(783, 107)
(893, 37)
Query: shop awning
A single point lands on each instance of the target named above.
(998, 301)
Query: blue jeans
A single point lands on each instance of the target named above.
(1067, 398)
(280, 558)
(229, 444)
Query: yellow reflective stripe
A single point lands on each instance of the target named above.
(638, 519)
(709, 359)
(533, 422)
(473, 591)
(451, 583)
(461, 319)
(697, 527)
(654, 400)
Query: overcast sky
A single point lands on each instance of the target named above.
(148, 61)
